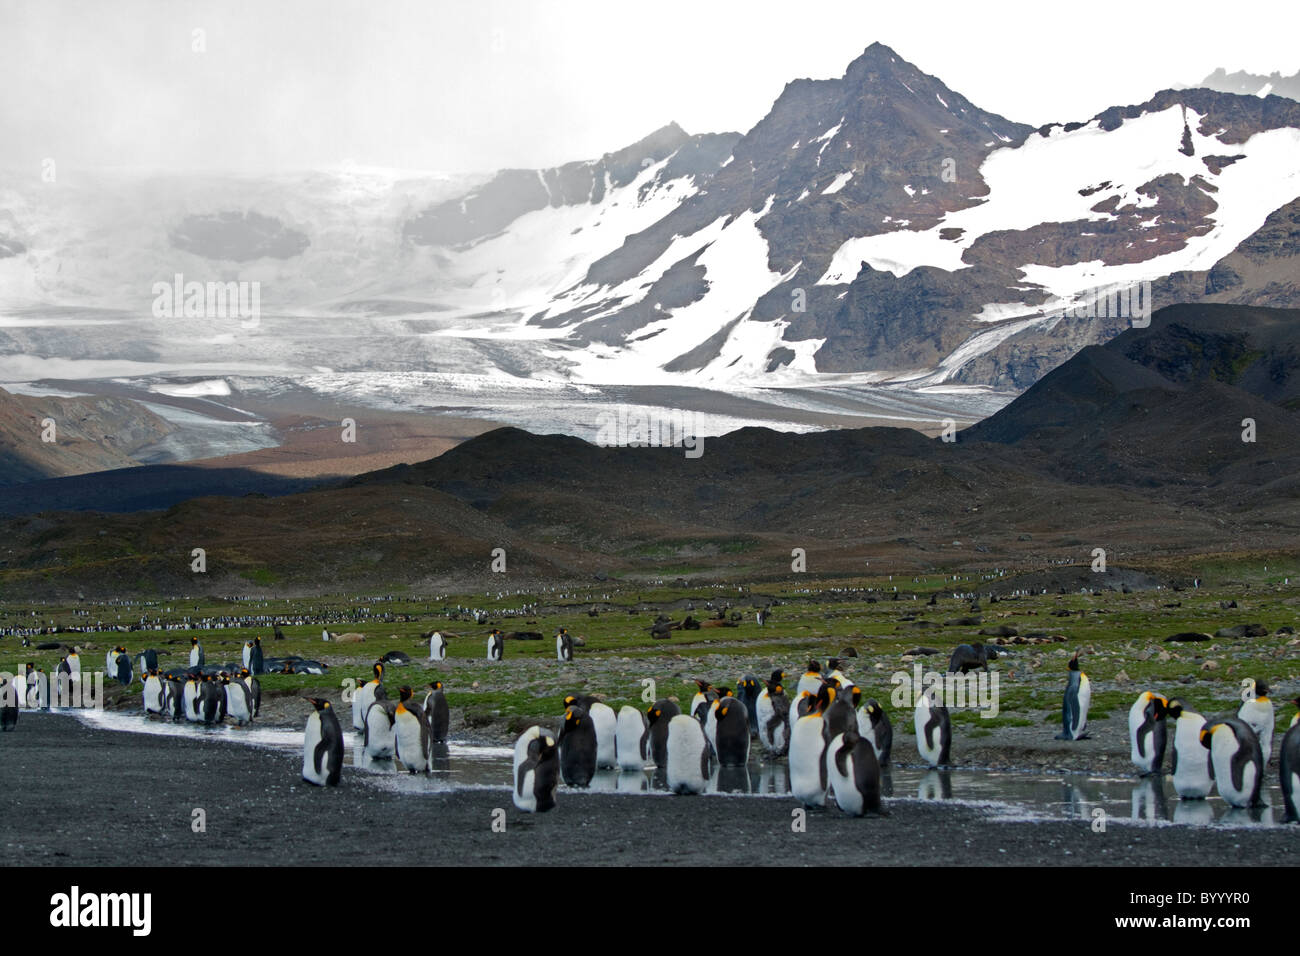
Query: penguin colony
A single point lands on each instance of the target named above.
(1230, 753)
(836, 743)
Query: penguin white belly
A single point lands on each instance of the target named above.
(1260, 717)
(688, 751)
(630, 730)
(247, 654)
(380, 741)
(811, 683)
(847, 796)
(74, 665)
(361, 701)
(931, 748)
(559, 648)
(193, 705)
(1143, 759)
(437, 647)
(311, 739)
(524, 796)
(606, 724)
(1191, 760)
(237, 703)
(194, 656)
(772, 737)
(807, 761)
(711, 724)
(408, 742)
(1085, 700)
(153, 695)
(1223, 747)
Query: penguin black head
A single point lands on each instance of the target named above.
(1158, 706)
(319, 703)
(856, 695)
(573, 716)
(1174, 708)
(825, 697)
(724, 692)
(778, 675)
(1261, 689)
(774, 687)
(1074, 661)
(193, 641)
(703, 685)
(436, 685)
(1207, 735)
(378, 670)
(834, 663)
(814, 667)
(404, 694)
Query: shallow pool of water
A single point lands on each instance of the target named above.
(1008, 795)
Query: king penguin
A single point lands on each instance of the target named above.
(933, 730)
(811, 680)
(1074, 707)
(1146, 732)
(254, 690)
(246, 654)
(874, 727)
(192, 699)
(1237, 760)
(633, 739)
(536, 770)
(1289, 767)
(365, 695)
(122, 669)
(496, 645)
(322, 746)
(255, 658)
(381, 735)
(1189, 762)
(437, 647)
(410, 734)
(196, 653)
(239, 702)
(577, 747)
(854, 774)
(155, 694)
(731, 732)
(808, 740)
(1256, 710)
(436, 713)
(563, 645)
(748, 690)
(657, 717)
(773, 717)
(689, 755)
(605, 722)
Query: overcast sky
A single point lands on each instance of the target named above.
(471, 85)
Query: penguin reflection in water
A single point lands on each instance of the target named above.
(322, 746)
(536, 770)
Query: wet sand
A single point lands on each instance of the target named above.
(76, 795)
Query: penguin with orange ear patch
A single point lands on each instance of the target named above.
(731, 732)
(577, 747)
(656, 718)
(774, 715)
(410, 733)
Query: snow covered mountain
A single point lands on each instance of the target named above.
(878, 228)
